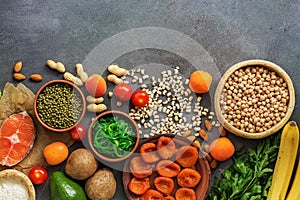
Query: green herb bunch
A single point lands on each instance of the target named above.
(250, 176)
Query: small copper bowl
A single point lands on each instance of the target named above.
(122, 116)
(76, 90)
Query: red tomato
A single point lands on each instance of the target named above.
(140, 98)
(38, 175)
(78, 132)
(123, 92)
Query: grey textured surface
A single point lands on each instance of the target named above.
(229, 31)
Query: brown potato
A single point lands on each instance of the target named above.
(101, 186)
(81, 164)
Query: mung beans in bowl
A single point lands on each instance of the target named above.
(59, 105)
(254, 99)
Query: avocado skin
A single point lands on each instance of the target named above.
(63, 188)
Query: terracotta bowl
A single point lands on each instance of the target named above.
(108, 158)
(202, 166)
(274, 128)
(76, 91)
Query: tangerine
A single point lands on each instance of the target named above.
(17, 135)
(55, 153)
(221, 149)
(200, 81)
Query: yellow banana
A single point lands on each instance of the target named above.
(294, 193)
(285, 162)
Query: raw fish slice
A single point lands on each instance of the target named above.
(17, 135)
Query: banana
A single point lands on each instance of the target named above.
(285, 162)
(294, 193)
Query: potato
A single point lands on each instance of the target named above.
(101, 186)
(81, 164)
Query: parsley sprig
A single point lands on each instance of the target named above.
(250, 175)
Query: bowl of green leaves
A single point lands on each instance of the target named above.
(113, 136)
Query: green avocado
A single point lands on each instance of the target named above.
(63, 188)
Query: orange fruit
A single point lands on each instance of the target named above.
(221, 149)
(55, 153)
(17, 135)
(200, 81)
(96, 85)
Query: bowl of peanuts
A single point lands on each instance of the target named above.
(254, 99)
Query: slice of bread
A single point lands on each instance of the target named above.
(15, 185)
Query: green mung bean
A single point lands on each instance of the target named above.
(59, 105)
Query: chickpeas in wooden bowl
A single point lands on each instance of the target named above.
(254, 99)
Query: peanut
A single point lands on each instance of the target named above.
(116, 70)
(113, 78)
(70, 77)
(36, 77)
(81, 73)
(58, 66)
(18, 67)
(97, 108)
(92, 99)
(19, 76)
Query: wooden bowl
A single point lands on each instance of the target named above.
(270, 66)
(79, 93)
(106, 158)
(202, 166)
(14, 181)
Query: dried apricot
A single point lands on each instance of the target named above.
(185, 193)
(200, 81)
(152, 195)
(167, 168)
(165, 147)
(139, 168)
(149, 153)
(164, 185)
(169, 198)
(139, 185)
(188, 178)
(221, 149)
(187, 156)
(55, 153)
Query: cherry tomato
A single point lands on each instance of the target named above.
(123, 92)
(38, 175)
(78, 132)
(140, 98)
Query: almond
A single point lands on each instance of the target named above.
(19, 76)
(222, 131)
(214, 164)
(197, 144)
(203, 135)
(18, 67)
(36, 77)
(208, 124)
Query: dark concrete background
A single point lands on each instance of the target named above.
(230, 31)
